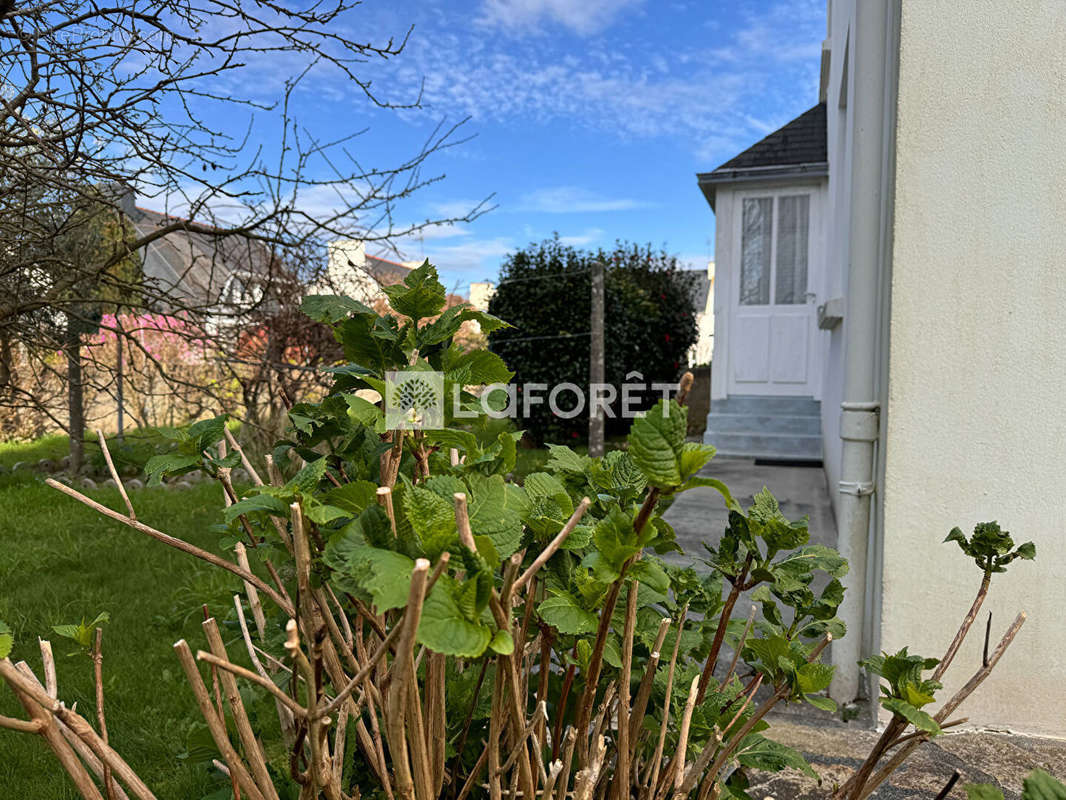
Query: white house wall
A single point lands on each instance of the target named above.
(976, 428)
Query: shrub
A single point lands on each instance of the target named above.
(544, 292)
(421, 626)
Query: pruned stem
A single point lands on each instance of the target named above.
(682, 738)
(244, 458)
(723, 624)
(964, 628)
(101, 720)
(115, 475)
(253, 753)
(657, 759)
(214, 724)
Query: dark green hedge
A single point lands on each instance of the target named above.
(544, 291)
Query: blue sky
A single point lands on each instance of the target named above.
(588, 117)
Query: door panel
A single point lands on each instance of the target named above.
(751, 355)
(788, 348)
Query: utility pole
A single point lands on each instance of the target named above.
(596, 361)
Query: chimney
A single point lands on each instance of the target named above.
(347, 257)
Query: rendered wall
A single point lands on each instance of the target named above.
(977, 356)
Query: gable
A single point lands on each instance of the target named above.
(798, 148)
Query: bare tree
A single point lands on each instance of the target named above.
(99, 103)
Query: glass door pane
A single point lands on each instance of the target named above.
(790, 283)
(755, 243)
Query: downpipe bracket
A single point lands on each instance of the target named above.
(857, 488)
(860, 422)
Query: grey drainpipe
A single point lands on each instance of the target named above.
(860, 409)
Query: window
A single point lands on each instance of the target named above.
(774, 246)
(755, 251)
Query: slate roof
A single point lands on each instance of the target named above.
(797, 148)
(801, 141)
(386, 272)
(192, 267)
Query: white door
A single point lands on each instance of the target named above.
(772, 306)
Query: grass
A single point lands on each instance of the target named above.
(53, 447)
(61, 562)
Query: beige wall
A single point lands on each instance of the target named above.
(977, 373)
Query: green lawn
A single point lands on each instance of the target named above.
(60, 562)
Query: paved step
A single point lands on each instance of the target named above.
(776, 446)
(765, 423)
(772, 428)
(757, 405)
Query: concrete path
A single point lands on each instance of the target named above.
(699, 515)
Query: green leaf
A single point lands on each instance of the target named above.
(207, 432)
(387, 577)
(919, 719)
(355, 496)
(432, 518)
(420, 295)
(1027, 551)
(983, 791)
(822, 702)
(698, 481)
(493, 513)
(332, 308)
(463, 441)
(320, 513)
(475, 368)
(758, 752)
(1040, 785)
(308, 478)
(444, 628)
(814, 677)
(502, 643)
(693, 456)
(563, 459)
(161, 466)
(655, 443)
(256, 503)
(563, 613)
(650, 573)
(7, 640)
(365, 413)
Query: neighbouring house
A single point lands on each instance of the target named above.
(703, 301)
(195, 271)
(353, 272)
(891, 306)
(481, 293)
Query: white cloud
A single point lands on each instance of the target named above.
(583, 239)
(474, 259)
(526, 16)
(714, 98)
(574, 200)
